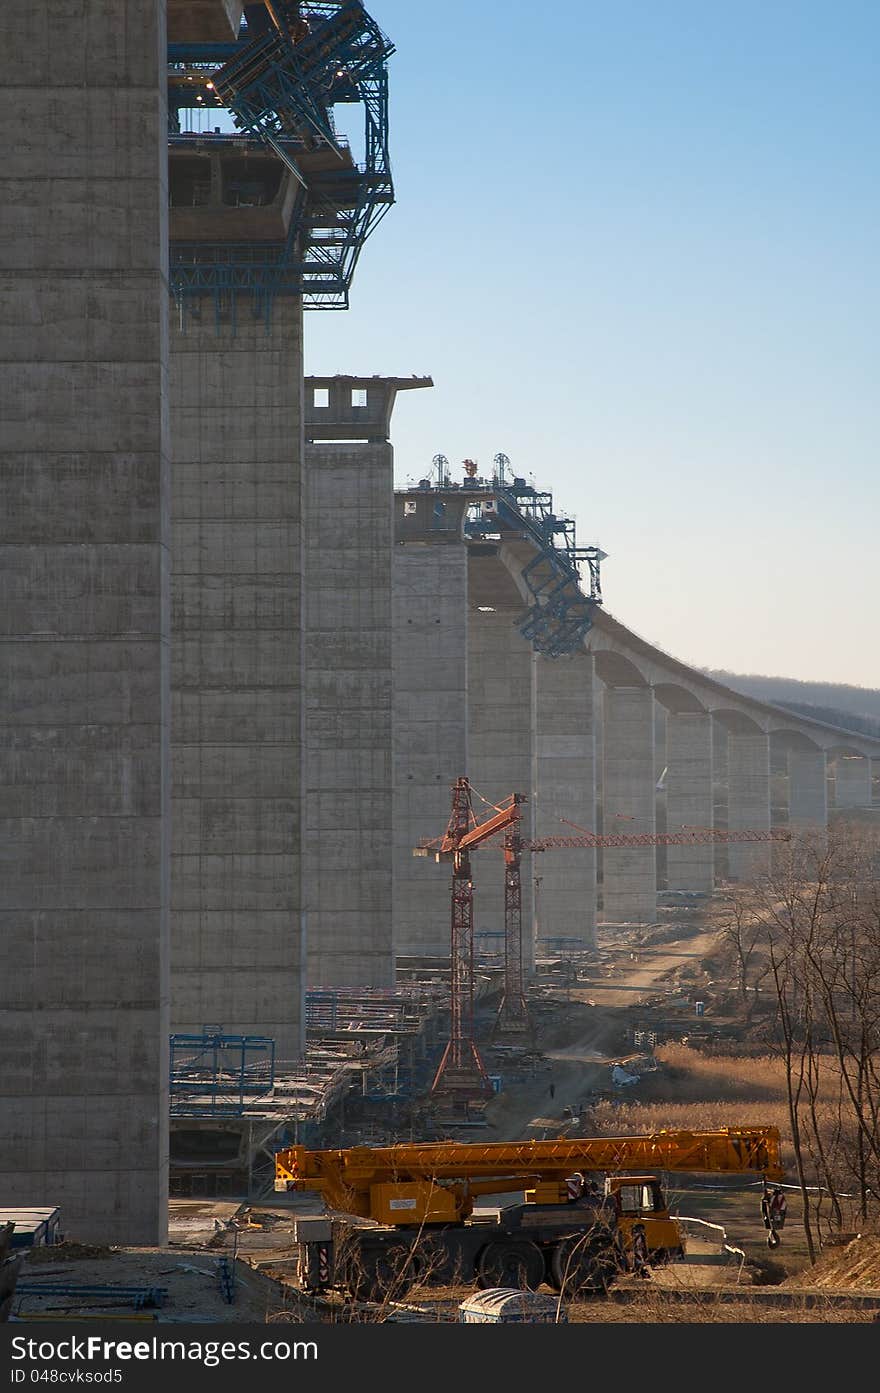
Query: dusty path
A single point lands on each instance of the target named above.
(628, 982)
(592, 1017)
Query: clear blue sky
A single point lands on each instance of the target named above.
(635, 245)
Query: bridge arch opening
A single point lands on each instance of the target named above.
(617, 671)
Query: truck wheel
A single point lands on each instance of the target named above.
(437, 1266)
(511, 1264)
(578, 1268)
(378, 1276)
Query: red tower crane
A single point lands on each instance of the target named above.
(461, 1072)
(513, 1013)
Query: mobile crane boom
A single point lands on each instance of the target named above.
(348, 1178)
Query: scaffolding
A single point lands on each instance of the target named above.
(233, 1104)
(280, 86)
(213, 1073)
(562, 578)
(333, 1011)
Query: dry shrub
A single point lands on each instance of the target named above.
(706, 1075)
(660, 1307)
(696, 1091)
(625, 1119)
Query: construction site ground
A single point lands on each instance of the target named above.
(642, 977)
(647, 977)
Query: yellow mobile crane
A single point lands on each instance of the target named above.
(405, 1214)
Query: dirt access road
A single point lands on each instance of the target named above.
(589, 1030)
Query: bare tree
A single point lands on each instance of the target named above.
(817, 916)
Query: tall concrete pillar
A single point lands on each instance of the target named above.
(236, 392)
(852, 781)
(807, 790)
(501, 705)
(629, 872)
(84, 634)
(348, 604)
(565, 903)
(689, 798)
(429, 665)
(748, 801)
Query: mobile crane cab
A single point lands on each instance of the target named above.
(647, 1231)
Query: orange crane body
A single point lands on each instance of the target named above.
(397, 1205)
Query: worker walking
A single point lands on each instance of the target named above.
(773, 1212)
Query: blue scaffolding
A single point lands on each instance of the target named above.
(561, 610)
(214, 1074)
(280, 86)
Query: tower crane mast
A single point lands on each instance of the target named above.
(461, 1072)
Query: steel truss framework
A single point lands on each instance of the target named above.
(513, 1013)
(281, 87)
(216, 1074)
(561, 612)
(461, 1072)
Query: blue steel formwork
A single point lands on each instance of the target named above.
(561, 612)
(280, 86)
(219, 1075)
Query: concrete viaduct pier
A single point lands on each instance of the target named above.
(237, 636)
(86, 630)
(348, 784)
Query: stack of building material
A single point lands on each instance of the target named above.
(9, 1265)
(33, 1228)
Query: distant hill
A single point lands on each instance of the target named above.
(856, 708)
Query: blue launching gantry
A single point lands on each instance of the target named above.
(280, 206)
(561, 610)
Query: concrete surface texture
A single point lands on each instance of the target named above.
(349, 533)
(852, 782)
(236, 414)
(629, 804)
(84, 645)
(430, 729)
(565, 786)
(807, 789)
(689, 797)
(348, 715)
(501, 748)
(204, 21)
(748, 801)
